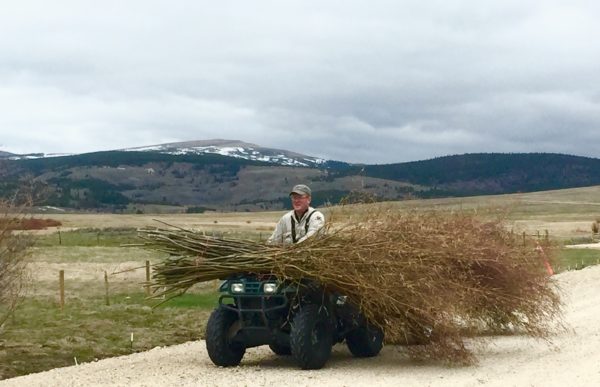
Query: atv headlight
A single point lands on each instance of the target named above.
(270, 288)
(237, 287)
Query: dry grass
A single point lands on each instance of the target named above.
(432, 277)
(564, 213)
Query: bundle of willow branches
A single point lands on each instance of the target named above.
(432, 278)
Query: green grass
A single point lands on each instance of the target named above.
(580, 240)
(574, 259)
(115, 237)
(111, 237)
(40, 336)
(203, 301)
(94, 254)
(207, 300)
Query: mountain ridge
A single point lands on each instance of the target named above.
(128, 179)
(234, 148)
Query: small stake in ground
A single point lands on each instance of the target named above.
(147, 278)
(106, 288)
(61, 281)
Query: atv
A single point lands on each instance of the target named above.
(301, 319)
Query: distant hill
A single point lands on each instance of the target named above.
(227, 175)
(4, 155)
(494, 173)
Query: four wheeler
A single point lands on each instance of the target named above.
(302, 319)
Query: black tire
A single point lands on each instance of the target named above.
(365, 341)
(220, 329)
(310, 338)
(280, 349)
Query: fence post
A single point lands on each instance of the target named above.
(147, 278)
(61, 281)
(547, 235)
(523, 238)
(106, 288)
(59, 238)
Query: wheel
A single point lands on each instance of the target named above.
(280, 349)
(311, 338)
(222, 326)
(365, 341)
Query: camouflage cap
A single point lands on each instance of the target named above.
(301, 189)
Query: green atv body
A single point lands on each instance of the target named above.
(302, 319)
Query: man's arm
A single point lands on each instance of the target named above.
(279, 234)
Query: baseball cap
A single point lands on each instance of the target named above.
(301, 189)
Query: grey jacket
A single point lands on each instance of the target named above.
(290, 230)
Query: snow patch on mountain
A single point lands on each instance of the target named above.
(243, 151)
(230, 148)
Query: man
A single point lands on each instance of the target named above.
(300, 223)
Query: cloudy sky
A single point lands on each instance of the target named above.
(359, 81)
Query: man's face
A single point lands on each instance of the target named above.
(300, 202)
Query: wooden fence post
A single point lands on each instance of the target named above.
(61, 280)
(106, 288)
(147, 278)
(59, 238)
(523, 238)
(547, 235)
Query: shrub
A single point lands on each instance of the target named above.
(28, 223)
(595, 227)
(13, 249)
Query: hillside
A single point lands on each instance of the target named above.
(122, 180)
(493, 173)
(200, 176)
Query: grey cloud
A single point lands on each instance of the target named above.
(377, 82)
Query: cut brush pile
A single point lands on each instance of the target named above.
(429, 278)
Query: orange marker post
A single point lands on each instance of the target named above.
(542, 254)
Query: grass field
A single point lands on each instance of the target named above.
(41, 336)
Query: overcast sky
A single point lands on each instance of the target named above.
(358, 81)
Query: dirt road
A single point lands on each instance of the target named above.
(572, 359)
